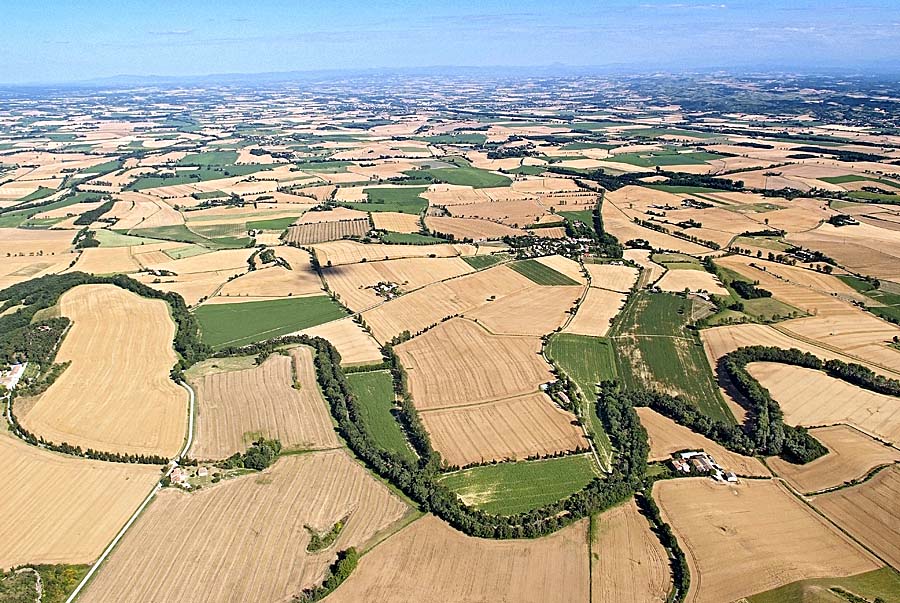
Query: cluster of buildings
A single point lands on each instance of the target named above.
(10, 378)
(180, 476)
(700, 462)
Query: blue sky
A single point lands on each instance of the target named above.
(66, 40)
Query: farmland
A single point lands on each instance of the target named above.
(235, 408)
(375, 392)
(541, 273)
(322, 232)
(768, 538)
(116, 395)
(509, 488)
(401, 200)
(239, 324)
(184, 545)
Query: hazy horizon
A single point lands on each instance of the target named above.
(74, 42)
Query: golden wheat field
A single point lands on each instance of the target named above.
(116, 396)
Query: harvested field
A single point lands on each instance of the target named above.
(618, 224)
(856, 333)
(188, 546)
(535, 312)
(564, 266)
(430, 562)
(273, 281)
(869, 512)
(322, 232)
(396, 221)
(516, 213)
(695, 280)
(235, 408)
(353, 344)
(225, 259)
(459, 363)
(419, 309)
(666, 436)
(354, 282)
(116, 396)
(630, 565)
(612, 277)
(470, 228)
(193, 287)
(85, 502)
(755, 536)
(596, 312)
(863, 248)
(508, 429)
(335, 214)
(106, 260)
(810, 397)
(31, 241)
(851, 455)
(351, 252)
(641, 257)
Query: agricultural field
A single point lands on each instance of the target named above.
(429, 561)
(185, 544)
(223, 325)
(752, 537)
(375, 392)
(322, 232)
(277, 399)
(509, 488)
(116, 395)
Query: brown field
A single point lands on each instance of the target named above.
(596, 312)
(395, 221)
(234, 408)
(351, 252)
(353, 344)
(630, 565)
(612, 277)
(864, 248)
(116, 396)
(194, 287)
(225, 259)
(353, 282)
(620, 225)
(537, 311)
(516, 213)
(337, 214)
(243, 539)
(458, 363)
(428, 305)
(857, 334)
(641, 257)
(869, 512)
(60, 509)
(752, 537)
(28, 242)
(106, 260)
(810, 397)
(565, 266)
(273, 281)
(851, 455)
(322, 232)
(430, 562)
(695, 280)
(507, 429)
(17, 269)
(471, 228)
(666, 436)
(545, 185)
(552, 232)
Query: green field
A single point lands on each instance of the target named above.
(883, 584)
(474, 139)
(278, 224)
(403, 200)
(677, 261)
(210, 158)
(18, 217)
(325, 167)
(410, 238)
(181, 233)
(528, 170)
(223, 325)
(541, 274)
(464, 176)
(857, 178)
(654, 350)
(890, 310)
(479, 262)
(199, 175)
(879, 197)
(586, 360)
(509, 488)
(375, 393)
(663, 158)
(188, 251)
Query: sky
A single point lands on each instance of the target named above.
(55, 41)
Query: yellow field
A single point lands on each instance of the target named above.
(430, 562)
(272, 281)
(537, 311)
(851, 455)
(243, 539)
(630, 565)
(869, 512)
(694, 280)
(459, 363)
(596, 312)
(752, 537)
(351, 252)
(235, 408)
(612, 277)
(116, 396)
(353, 344)
(61, 509)
(395, 221)
(471, 228)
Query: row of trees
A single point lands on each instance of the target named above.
(260, 455)
(91, 215)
